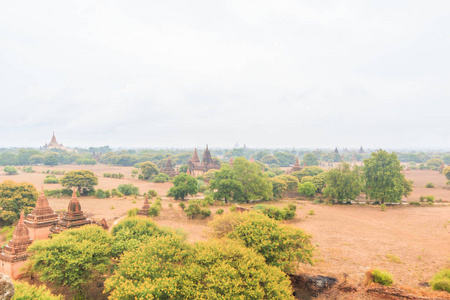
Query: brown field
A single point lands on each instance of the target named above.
(412, 243)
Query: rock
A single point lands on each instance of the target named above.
(6, 287)
(311, 285)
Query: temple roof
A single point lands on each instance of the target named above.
(168, 164)
(195, 158)
(74, 204)
(42, 215)
(21, 231)
(297, 164)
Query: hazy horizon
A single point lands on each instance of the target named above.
(273, 74)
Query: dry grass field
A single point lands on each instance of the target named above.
(412, 243)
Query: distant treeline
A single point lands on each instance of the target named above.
(279, 157)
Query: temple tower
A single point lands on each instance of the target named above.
(169, 169)
(195, 158)
(144, 210)
(14, 254)
(41, 218)
(296, 167)
(74, 217)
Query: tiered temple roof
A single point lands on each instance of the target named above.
(207, 163)
(144, 210)
(296, 167)
(169, 169)
(74, 217)
(16, 249)
(42, 215)
(231, 161)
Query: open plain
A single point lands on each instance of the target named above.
(410, 242)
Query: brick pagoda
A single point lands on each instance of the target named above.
(14, 254)
(40, 219)
(144, 210)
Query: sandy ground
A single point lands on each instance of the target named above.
(412, 243)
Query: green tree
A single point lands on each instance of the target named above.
(183, 185)
(281, 245)
(36, 160)
(446, 159)
(169, 268)
(131, 232)
(51, 159)
(343, 183)
(434, 163)
(446, 172)
(10, 170)
(25, 291)
(73, 258)
(291, 182)
(308, 171)
(270, 159)
(128, 189)
(15, 197)
(225, 186)
(83, 180)
(310, 159)
(384, 180)
(148, 170)
(307, 189)
(134, 173)
(318, 180)
(161, 178)
(279, 187)
(285, 159)
(225, 267)
(255, 185)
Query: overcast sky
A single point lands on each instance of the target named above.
(264, 73)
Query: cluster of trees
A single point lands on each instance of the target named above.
(138, 259)
(14, 198)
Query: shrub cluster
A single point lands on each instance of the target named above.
(128, 189)
(59, 193)
(381, 277)
(155, 208)
(113, 175)
(428, 198)
(116, 193)
(273, 212)
(161, 178)
(28, 170)
(195, 210)
(441, 281)
(102, 194)
(151, 193)
(54, 172)
(51, 179)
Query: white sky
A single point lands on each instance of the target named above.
(264, 73)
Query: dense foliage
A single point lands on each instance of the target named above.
(24, 291)
(83, 180)
(15, 197)
(183, 185)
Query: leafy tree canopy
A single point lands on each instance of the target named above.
(72, 258)
(310, 159)
(15, 197)
(184, 185)
(225, 186)
(148, 170)
(24, 291)
(255, 185)
(343, 183)
(384, 180)
(83, 180)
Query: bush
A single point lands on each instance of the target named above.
(429, 198)
(383, 207)
(10, 170)
(182, 205)
(28, 170)
(208, 200)
(101, 194)
(219, 211)
(132, 212)
(116, 193)
(381, 277)
(281, 245)
(307, 189)
(161, 178)
(429, 185)
(273, 212)
(155, 208)
(311, 212)
(414, 203)
(51, 179)
(194, 210)
(441, 281)
(152, 193)
(128, 189)
(25, 291)
(59, 193)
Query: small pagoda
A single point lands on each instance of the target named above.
(41, 218)
(144, 210)
(14, 254)
(296, 167)
(169, 169)
(73, 217)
